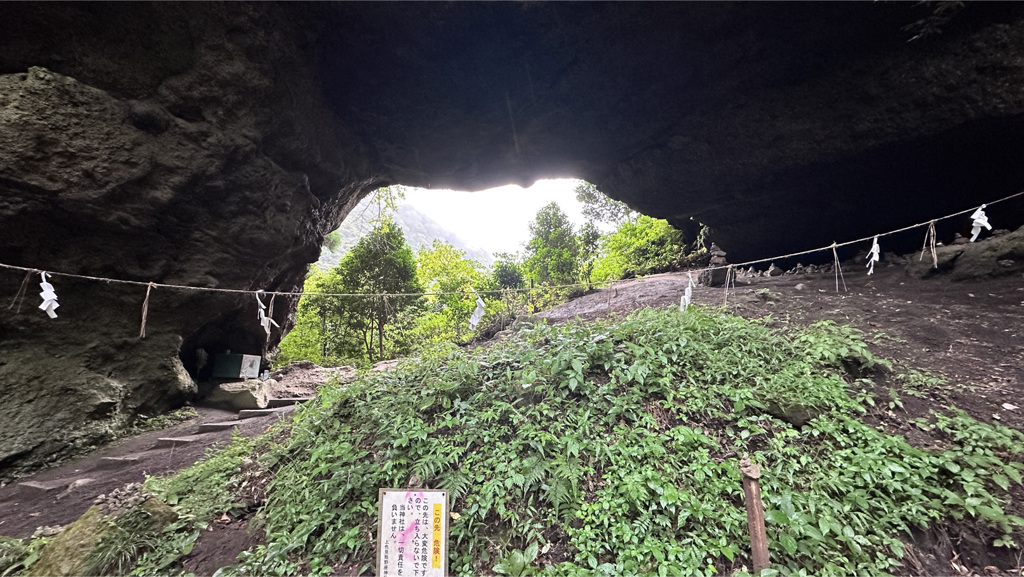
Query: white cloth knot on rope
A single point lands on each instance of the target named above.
(684, 301)
(478, 312)
(874, 255)
(50, 303)
(265, 321)
(980, 220)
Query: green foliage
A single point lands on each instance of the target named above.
(589, 242)
(517, 563)
(333, 329)
(597, 206)
(181, 415)
(508, 271)
(17, 555)
(317, 334)
(553, 249)
(199, 494)
(644, 246)
(618, 440)
(130, 535)
(445, 269)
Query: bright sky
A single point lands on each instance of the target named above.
(498, 219)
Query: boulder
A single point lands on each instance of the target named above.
(992, 256)
(240, 395)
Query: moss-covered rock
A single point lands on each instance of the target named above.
(66, 554)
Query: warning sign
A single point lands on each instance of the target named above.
(412, 533)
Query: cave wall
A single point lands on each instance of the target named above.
(213, 145)
(174, 143)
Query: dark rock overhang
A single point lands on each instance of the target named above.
(214, 144)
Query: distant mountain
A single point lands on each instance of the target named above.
(420, 230)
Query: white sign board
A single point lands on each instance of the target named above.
(250, 366)
(412, 533)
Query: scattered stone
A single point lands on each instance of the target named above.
(959, 239)
(47, 531)
(120, 500)
(800, 286)
(66, 554)
(1009, 407)
(774, 270)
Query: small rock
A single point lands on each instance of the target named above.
(774, 270)
(800, 286)
(1006, 263)
(959, 239)
(1009, 407)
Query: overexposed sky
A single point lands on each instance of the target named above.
(497, 219)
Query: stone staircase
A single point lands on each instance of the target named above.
(104, 465)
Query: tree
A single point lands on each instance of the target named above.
(445, 269)
(589, 240)
(597, 206)
(553, 249)
(507, 271)
(648, 245)
(381, 263)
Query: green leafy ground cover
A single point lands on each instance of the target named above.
(612, 447)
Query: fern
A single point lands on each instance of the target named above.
(456, 483)
(534, 473)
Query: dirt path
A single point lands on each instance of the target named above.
(60, 495)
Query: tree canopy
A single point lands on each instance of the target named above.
(553, 248)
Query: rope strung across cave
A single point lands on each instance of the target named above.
(930, 223)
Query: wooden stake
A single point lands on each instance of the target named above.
(755, 514)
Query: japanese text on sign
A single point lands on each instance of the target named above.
(412, 534)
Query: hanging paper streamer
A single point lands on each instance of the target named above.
(980, 220)
(839, 269)
(50, 303)
(19, 297)
(145, 311)
(684, 301)
(478, 313)
(265, 321)
(874, 255)
(929, 242)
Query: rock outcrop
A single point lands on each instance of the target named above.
(212, 145)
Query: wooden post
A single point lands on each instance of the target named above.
(755, 514)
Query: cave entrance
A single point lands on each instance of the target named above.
(481, 223)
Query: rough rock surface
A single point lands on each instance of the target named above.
(214, 144)
(241, 395)
(992, 256)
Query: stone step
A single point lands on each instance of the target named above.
(119, 462)
(35, 489)
(210, 427)
(174, 441)
(277, 403)
(250, 413)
